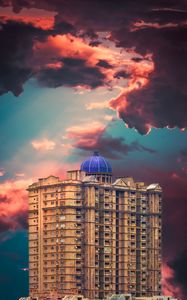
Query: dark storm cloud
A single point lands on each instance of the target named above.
(157, 28)
(17, 64)
(63, 28)
(16, 48)
(116, 148)
(122, 74)
(73, 72)
(111, 147)
(104, 64)
(164, 98)
(17, 41)
(137, 59)
(179, 266)
(94, 43)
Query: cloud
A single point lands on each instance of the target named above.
(104, 64)
(174, 276)
(169, 287)
(179, 267)
(43, 144)
(97, 105)
(86, 133)
(19, 174)
(50, 56)
(92, 136)
(157, 29)
(13, 205)
(36, 17)
(72, 72)
(154, 104)
(62, 64)
(17, 40)
(2, 172)
(109, 118)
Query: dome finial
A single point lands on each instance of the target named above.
(96, 153)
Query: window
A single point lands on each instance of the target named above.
(78, 270)
(78, 285)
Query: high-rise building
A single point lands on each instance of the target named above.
(94, 236)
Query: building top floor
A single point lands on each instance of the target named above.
(96, 171)
(81, 179)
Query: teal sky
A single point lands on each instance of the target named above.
(47, 113)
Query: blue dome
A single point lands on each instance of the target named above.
(96, 164)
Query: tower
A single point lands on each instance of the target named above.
(94, 237)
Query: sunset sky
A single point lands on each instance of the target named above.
(76, 76)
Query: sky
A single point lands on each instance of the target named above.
(76, 76)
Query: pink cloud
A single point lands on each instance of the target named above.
(86, 134)
(2, 172)
(109, 118)
(13, 204)
(94, 136)
(140, 73)
(19, 174)
(107, 61)
(37, 17)
(168, 286)
(97, 105)
(43, 144)
(142, 24)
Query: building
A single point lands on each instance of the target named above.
(53, 297)
(155, 298)
(94, 236)
(113, 297)
(130, 297)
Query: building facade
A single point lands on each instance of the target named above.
(130, 297)
(94, 236)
